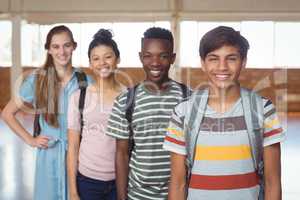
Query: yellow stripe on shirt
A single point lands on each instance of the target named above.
(175, 132)
(271, 123)
(240, 152)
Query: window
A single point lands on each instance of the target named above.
(272, 44)
(260, 36)
(5, 44)
(34, 36)
(287, 43)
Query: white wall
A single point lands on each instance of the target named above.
(27, 6)
(4, 6)
(242, 5)
(94, 5)
(47, 11)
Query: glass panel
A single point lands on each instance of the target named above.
(129, 41)
(189, 44)
(163, 24)
(287, 44)
(32, 52)
(261, 39)
(5, 44)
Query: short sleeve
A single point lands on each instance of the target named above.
(273, 131)
(174, 139)
(27, 89)
(73, 112)
(117, 126)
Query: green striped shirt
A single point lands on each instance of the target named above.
(149, 164)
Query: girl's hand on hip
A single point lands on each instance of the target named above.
(41, 141)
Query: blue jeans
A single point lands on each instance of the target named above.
(92, 189)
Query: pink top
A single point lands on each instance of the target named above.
(97, 150)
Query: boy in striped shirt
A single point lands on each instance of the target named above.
(148, 171)
(223, 163)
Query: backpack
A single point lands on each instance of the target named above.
(253, 112)
(82, 84)
(130, 104)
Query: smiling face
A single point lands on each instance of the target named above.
(61, 49)
(223, 66)
(157, 56)
(103, 61)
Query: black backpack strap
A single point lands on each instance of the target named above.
(130, 104)
(82, 84)
(186, 92)
(36, 125)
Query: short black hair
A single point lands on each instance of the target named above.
(104, 37)
(159, 33)
(222, 36)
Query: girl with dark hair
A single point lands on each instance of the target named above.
(47, 90)
(91, 157)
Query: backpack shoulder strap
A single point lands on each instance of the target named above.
(254, 116)
(186, 92)
(130, 104)
(36, 125)
(82, 79)
(192, 122)
(82, 84)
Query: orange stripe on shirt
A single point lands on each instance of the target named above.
(273, 132)
(240, 152)
(174, 141)
(227, 182)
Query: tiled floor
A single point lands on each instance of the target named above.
(17, 163)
